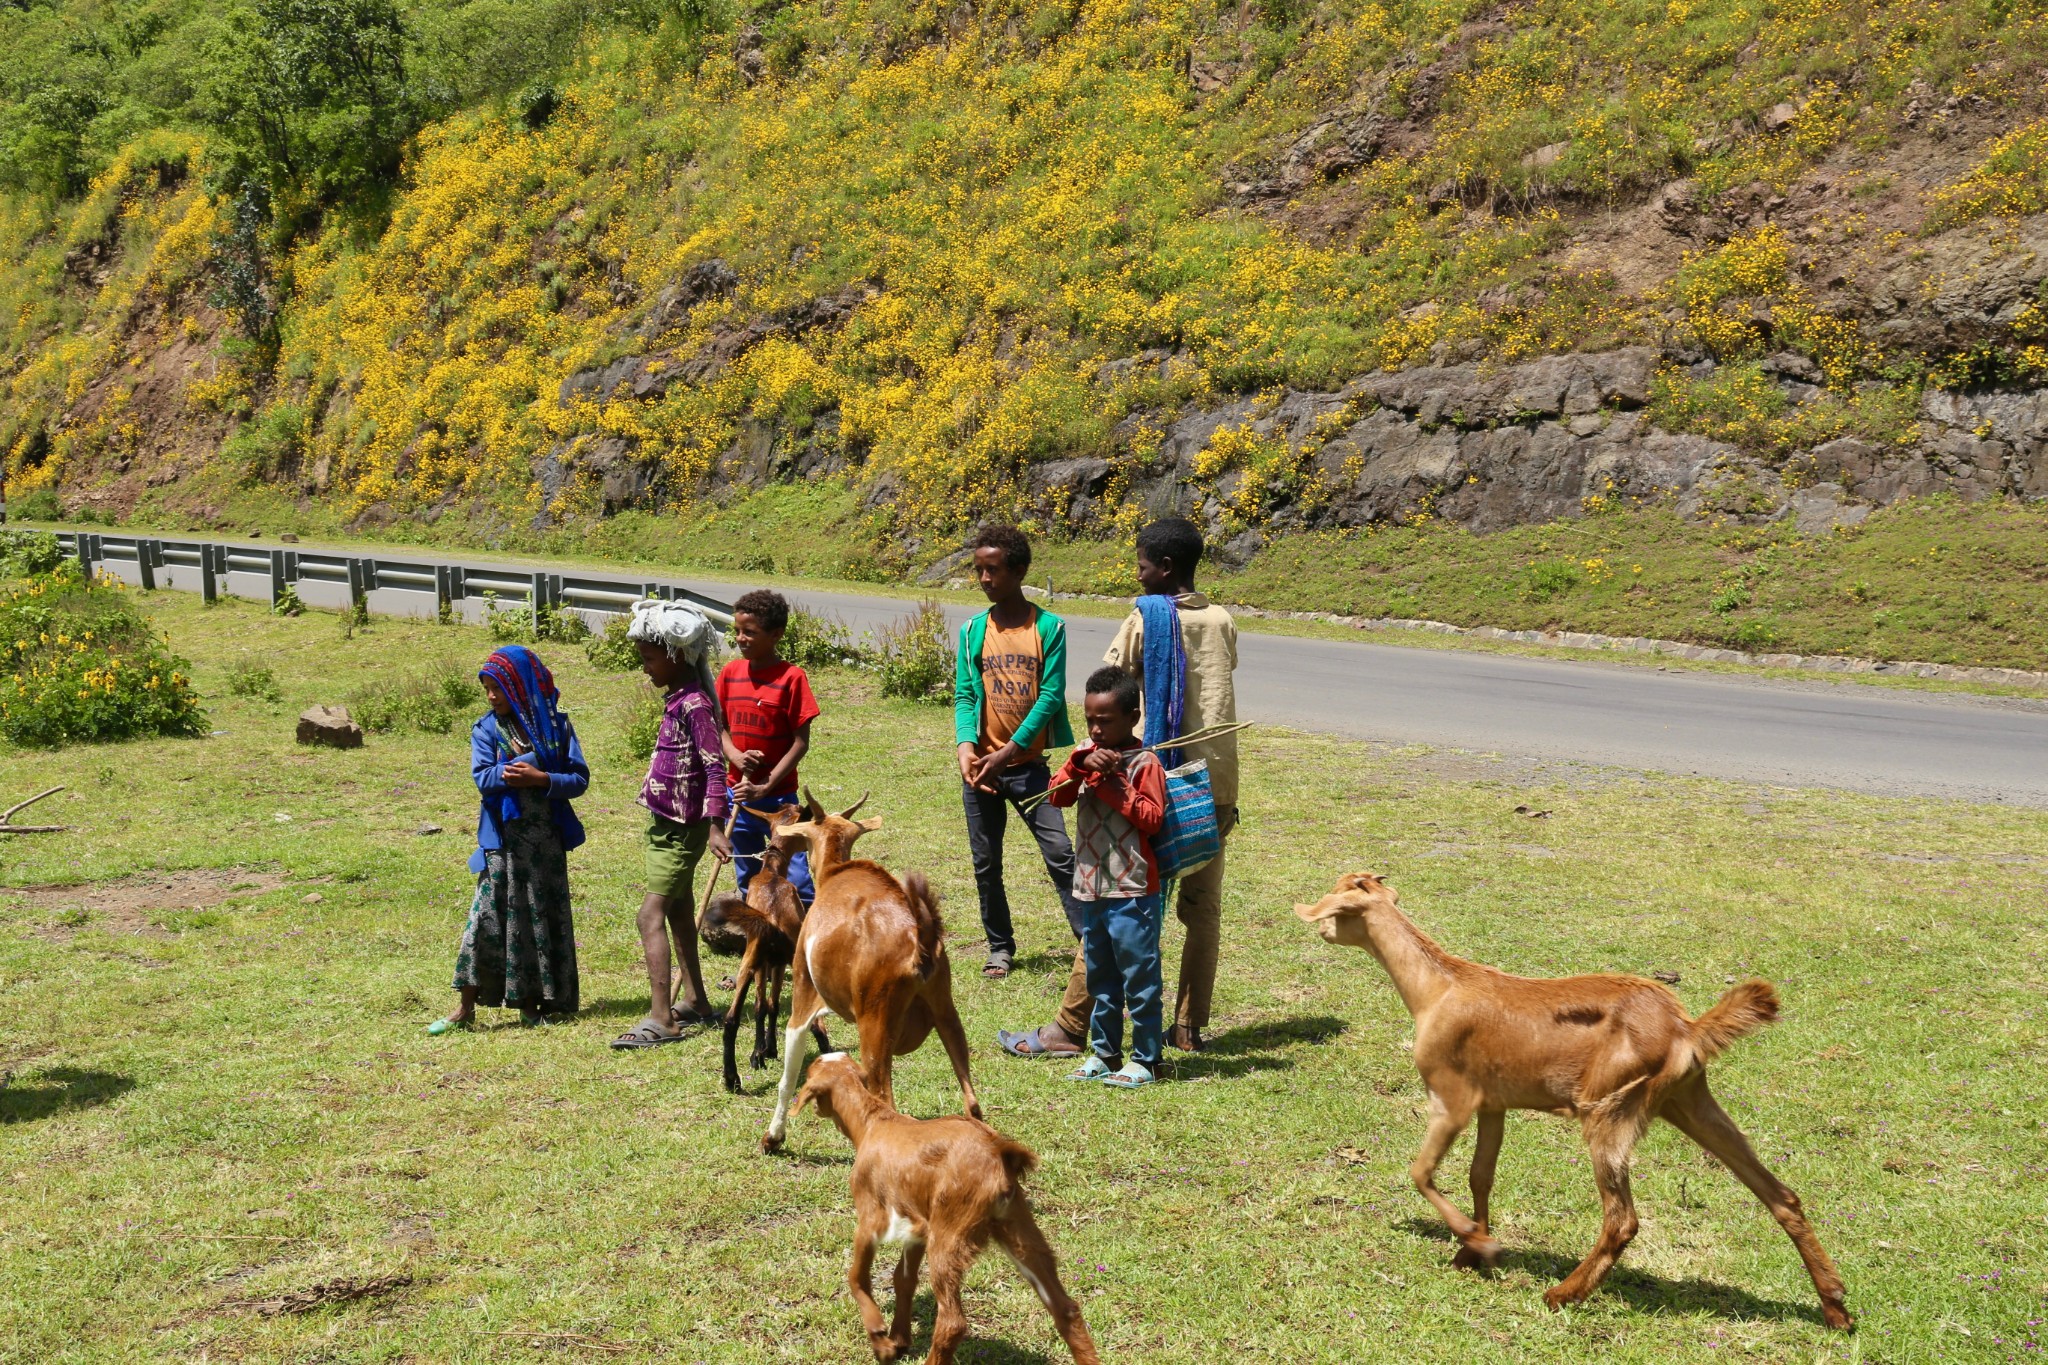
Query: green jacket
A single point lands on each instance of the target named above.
(1048, 713)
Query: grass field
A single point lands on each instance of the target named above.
(224, 1106)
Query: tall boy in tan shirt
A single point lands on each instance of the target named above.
(1168, 553)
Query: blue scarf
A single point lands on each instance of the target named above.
(518, 673)
(1166, 673)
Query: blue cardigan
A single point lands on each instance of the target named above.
(488, 756)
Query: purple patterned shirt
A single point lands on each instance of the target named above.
(685, 779)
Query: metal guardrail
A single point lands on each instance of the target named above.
(392, 587)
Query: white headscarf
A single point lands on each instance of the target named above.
(686, 633)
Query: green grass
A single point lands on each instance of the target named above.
(234, 1102)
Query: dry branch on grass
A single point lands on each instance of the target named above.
(8, 815)
(345, 1289)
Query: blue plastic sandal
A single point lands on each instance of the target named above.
(1130, 1078)
(1094, 1069)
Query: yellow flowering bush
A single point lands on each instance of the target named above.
(81, 665)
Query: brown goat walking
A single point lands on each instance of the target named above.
(1611, 1051)
(944, 1185)
(873, 952)
(762, 928)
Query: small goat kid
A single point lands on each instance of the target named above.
(873, 952)
(760, 928)
(944, 1185)
(1612, 1052)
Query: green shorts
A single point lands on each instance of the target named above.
(673, 852)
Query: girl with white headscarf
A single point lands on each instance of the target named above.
(687, 807)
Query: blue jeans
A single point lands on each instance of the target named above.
(750, 837)
(1121, 948)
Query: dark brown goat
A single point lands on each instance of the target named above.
(760, 928)
(1613, 1052)
(873, 952)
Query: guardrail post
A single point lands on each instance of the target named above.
(447, 591)
(277, 579)
(358, 588)
(88, 552)
(537, 598)
(145, 563)
(209, 589)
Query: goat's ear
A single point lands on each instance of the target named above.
(811, 804)
(768, 815)
(869, 825)
(1321, 910)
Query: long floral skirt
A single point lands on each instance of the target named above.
(520, 946)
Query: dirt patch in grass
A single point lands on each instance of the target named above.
(133, 905)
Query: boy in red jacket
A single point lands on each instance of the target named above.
(1118, 791)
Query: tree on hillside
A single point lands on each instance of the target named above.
(309, 98)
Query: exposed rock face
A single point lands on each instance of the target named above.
(330, 725)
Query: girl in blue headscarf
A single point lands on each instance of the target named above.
(520, 946)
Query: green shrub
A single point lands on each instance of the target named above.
(1550, 578)
(430, 701)
(24, 554)
(813, 641)
(640, 720)
(288, 602)
(83, 666)
(248, 678)
(39, 505)
(520, 624)
(916, 656)
(610, 650)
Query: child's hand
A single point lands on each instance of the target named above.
(1100, 760)
(751, 761)
(524, 774)
(744, 791)
(721, 846)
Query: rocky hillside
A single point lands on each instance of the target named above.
(1281, 265)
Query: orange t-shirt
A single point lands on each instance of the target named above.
(1010, 667)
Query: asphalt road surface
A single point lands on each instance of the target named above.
(1825, 734)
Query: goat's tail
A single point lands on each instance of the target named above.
(931, 929)
(1018, 1160)
(1741, 1012)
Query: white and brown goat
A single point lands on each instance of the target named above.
(944, 1187)
(873, 952)
(1613, 1052)
(760, 928)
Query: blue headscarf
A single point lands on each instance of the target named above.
(518, 673)
(1166, 673)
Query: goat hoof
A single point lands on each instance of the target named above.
(1837, 1317)
(770, 1144)
(732, 1085)
(1479, 1255)
(1558, 1296)
(885, 1347)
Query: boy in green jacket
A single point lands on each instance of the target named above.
(1009, 706)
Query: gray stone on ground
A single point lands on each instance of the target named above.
(330, 725)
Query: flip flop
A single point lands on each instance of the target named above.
(445, 1025)
(1031, 1043)
(1130, 1078)
(1094, 1069)
(643, 1035)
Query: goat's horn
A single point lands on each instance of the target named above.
(847, 814)
(817, 811)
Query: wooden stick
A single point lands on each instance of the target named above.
(1204, 735)
(8, 815)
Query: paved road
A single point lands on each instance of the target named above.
(1845, 735)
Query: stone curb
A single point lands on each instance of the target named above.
(1636, 644)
